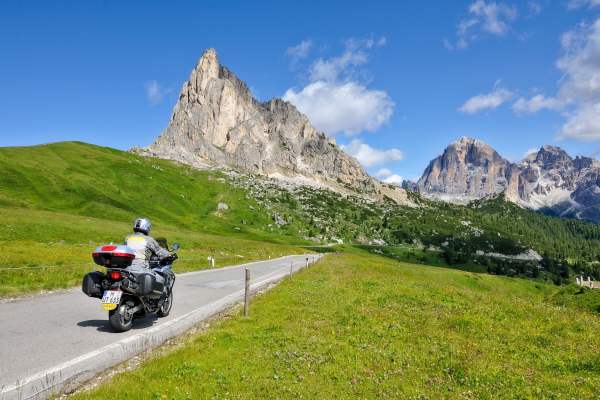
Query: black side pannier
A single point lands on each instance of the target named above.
(150, 285)
(92, 284)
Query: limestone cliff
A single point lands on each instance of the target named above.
(548, 180)
(217, 121)
(470, 169)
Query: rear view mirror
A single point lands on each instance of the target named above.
(175, 246)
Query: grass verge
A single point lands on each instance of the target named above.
(31, 239)
(363, 326)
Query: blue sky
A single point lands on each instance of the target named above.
(394, 81)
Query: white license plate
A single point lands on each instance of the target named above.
(111, 298)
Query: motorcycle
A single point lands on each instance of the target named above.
(126, 294)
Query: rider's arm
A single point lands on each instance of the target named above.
(159, 251)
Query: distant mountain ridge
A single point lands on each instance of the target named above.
(217, 122)
(549, 180)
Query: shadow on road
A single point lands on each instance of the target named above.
(102, 325)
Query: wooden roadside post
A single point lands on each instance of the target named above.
(291, 270)
(247, 295)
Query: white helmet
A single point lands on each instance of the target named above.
(142, 225)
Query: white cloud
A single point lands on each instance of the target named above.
(370, 157)
(574, 4)
(578, 96)
(155, 92)
(255, 93)
(534, 8)
(448, 44)
(396, 179)
(383, 173)
(492, 100)
(582, 125)
(331, 69)
(335, 106)
(581, 63)
(484, 18)
(535, 104)
(490, 16)
(528, 152)
(300, 51)
(382, 41)
(386, 175)
(335, 100)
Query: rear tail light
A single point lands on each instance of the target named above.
(115, 275)
(108, 248)
(95, 254)
(124, 255)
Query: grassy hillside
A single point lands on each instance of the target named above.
(87, 180)
(364, 326)
(73, 193)
(31, 239)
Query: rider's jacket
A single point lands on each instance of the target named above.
(143, 247)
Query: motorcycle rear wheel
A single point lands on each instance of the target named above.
(119, 319)
(165, 309)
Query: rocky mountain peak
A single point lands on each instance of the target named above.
(549, 157)
(216, 121)
(472, 151)
(469, 169)
(548, 179)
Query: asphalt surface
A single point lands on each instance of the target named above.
(54, 342)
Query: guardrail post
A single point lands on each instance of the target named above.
(247, 295)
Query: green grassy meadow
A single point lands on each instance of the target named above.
(72, 193)
(108, 184)
(59, 202)
(365, 326)
(31, 239)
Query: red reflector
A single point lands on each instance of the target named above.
(115, 275)
(124, 255)
(108, 248)
(95, 254)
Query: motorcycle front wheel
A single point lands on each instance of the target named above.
(120, 318)
(165, 309)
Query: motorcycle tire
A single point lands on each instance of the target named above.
(165, 309)
(118, 318)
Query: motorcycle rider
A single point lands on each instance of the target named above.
(143, 245)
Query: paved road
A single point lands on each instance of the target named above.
(59, 340)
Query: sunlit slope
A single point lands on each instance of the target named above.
(362, 326)
(48, 250)
(87, 180)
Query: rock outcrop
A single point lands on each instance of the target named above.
(470, 169)
(217, 121)
(548, 180)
